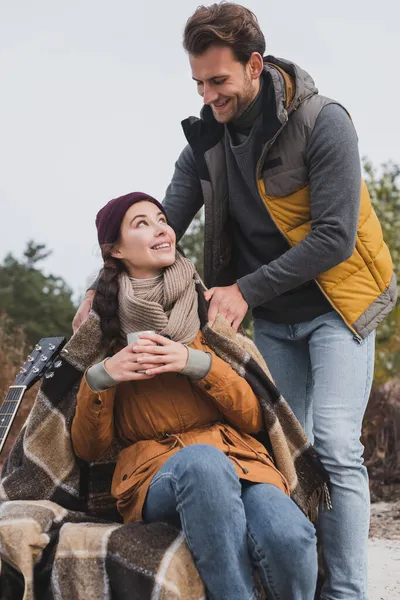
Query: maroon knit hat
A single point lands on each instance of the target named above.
(109, 218)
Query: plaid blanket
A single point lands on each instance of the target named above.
(59, 554)
(60, 534)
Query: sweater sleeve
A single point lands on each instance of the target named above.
(93, 424)
(98, 378)
(232, 395)
(184, 196)
(93, 286)
(334, 182)
(198, 364)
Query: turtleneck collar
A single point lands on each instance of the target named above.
(246, 121)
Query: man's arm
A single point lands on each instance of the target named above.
(335, 182)
(184, 197)
(84, 308)
(93, 286)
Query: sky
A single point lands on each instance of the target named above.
(93, 93)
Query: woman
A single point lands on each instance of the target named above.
(185, 419)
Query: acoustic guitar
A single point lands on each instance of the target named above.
(38, 363)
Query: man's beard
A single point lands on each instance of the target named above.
(243, 101)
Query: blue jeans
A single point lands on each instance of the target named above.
(230, 527)
(325, 375)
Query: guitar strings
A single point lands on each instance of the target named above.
(14, 396)
(7, 408)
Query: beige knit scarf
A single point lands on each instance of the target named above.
(168, 304)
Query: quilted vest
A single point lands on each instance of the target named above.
(362, 289)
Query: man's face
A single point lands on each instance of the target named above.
(224, 83)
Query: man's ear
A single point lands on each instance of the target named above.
(256, 65)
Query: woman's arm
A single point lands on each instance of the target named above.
(232, 394)
(93, 424)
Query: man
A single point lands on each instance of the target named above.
(289, 233)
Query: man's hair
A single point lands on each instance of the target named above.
(224, 24)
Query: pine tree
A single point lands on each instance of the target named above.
(41, 304)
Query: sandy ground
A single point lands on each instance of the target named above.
(384, 570)
(384, 552)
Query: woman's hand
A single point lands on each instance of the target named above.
(124, 365)
(164, 357)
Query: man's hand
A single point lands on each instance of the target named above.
(228, 302)
(83, 310)
(164, 356)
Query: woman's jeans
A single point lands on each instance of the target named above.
(231, 528)
(326, 375)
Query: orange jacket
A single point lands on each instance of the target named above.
(154, 418)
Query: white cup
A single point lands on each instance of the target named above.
(131, 338)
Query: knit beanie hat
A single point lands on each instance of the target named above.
(109, 218)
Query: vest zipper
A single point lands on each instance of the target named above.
(357, 337)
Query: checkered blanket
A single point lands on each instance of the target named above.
(60, 534)
(61, 554)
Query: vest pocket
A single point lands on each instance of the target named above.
(281, 181)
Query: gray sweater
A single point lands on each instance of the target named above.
(276, 280)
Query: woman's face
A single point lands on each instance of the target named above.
(147, 243)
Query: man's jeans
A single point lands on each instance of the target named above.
(325, 375)
(231, 525)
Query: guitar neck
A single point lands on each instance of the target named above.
(8, 410)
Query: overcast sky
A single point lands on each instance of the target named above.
(93, 92)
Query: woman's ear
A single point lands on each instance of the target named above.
(116, 252)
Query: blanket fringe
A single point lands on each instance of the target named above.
(327, 501)
(319, 499)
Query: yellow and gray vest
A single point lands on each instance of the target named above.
(362, 289)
